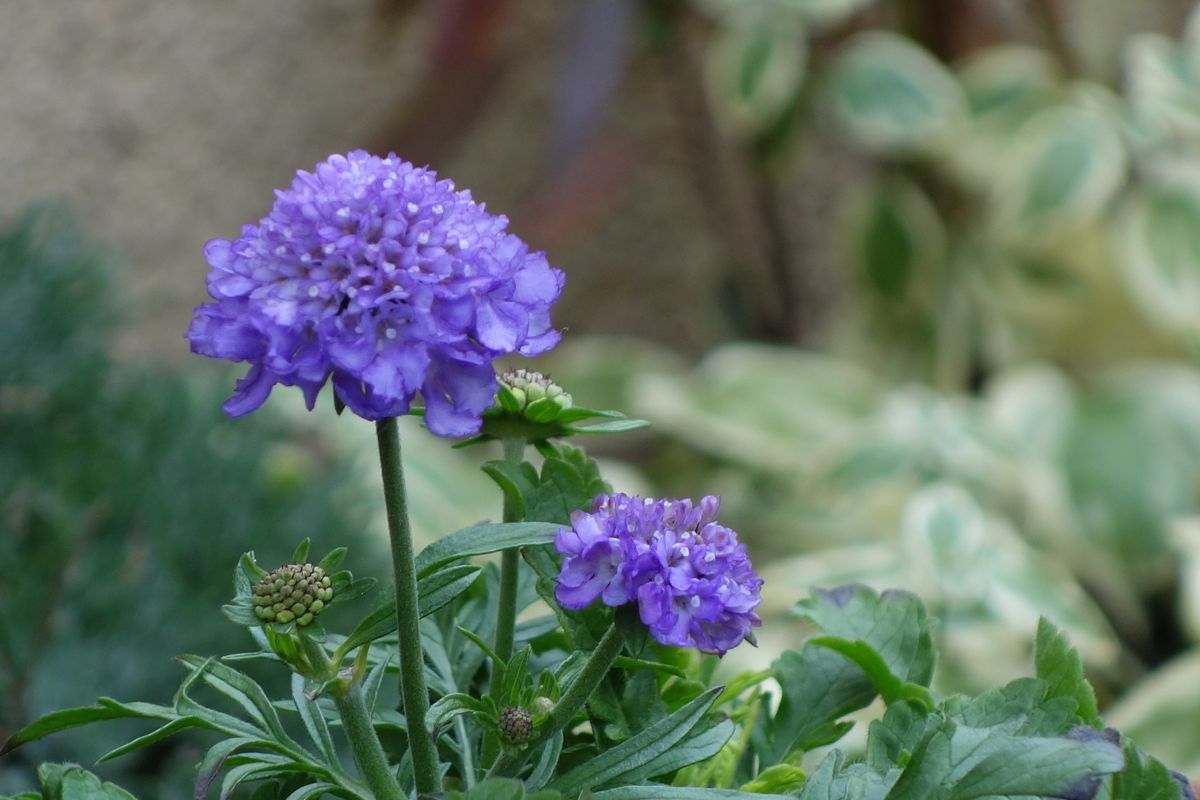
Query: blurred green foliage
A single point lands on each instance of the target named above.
(125, 497)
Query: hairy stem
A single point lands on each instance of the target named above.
(356, 721)
(506, 613)
(412, 661)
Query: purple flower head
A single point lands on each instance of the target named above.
(374, 273)
(689, 575)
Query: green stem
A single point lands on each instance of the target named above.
(506, 612)
(412, 661)
(356, 721)
(577, 694)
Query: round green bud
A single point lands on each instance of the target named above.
(293, 592)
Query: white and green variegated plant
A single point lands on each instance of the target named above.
(650, 722)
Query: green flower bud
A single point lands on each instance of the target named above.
(516, 725)
(542, 705)
(532, 395)
(293, 592)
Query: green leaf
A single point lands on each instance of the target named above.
(434, 591)
(313, 791)
(755, 68)
(72, 782)
(892, 96)
(1059, 665)
(1024, 701)
(834, 781)
(547, 761)
(171, 728)
(1161, 237)
(818, 687)
(610, 426)
(891, 688)
(300, 554)
(892, 624)
(61, 721)
(1145, 778)
(448, 707)
(658, 792)
(779, 778)
(240, 688)
(314, 722)
(963, 762)
(631, 755)
(1062, 169)
(488, 537)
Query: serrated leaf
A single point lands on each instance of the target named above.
(892, 96)
(834, 781)
(892, 624)
(818, 688)
(488, 537)
(1059, 665)
(72, 782)
(1145, 778)
(964, 762)
(634, 753)
(1022, 701)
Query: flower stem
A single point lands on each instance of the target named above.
(577, 694)
(506, 612)
(356, 721)
(412, 661)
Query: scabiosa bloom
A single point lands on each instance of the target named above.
(375, 273)
(689, 575)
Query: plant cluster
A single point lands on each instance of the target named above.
(512, 680)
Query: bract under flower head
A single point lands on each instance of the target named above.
(691, 578)
(374, 273)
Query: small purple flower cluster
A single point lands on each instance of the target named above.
(691, 578)
(374, 273)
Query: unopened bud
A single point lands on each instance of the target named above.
(516, 724)
(294, 592)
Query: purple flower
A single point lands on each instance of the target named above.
(689, 575)
(374, 273)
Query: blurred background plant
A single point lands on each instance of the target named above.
(928, 317)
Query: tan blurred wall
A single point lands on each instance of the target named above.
(163, 123)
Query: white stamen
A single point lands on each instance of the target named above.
(437, 208)
(343, 212)
(413, 208)
(329, 248)
(389, 267)
(423, 237)
(463, 244)
(313, 291)
(305, 258)
(390, 333)
(280, 250)
(388, 183)
(695, 601)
